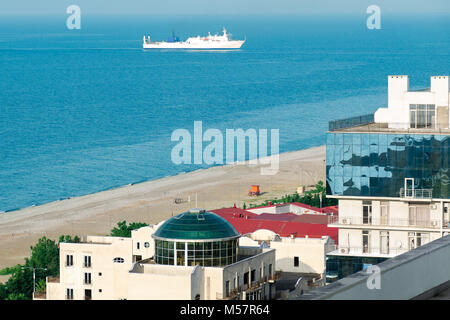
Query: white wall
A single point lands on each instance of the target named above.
(311, 253)
(399, 99)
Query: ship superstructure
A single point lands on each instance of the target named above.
(216, 41)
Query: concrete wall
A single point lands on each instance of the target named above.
(143, 236)
(399, 99)
(311, 253)
(412, 274)
(155, 282)
(107, 281)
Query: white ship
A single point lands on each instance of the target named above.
(209, 42)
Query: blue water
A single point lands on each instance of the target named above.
(88, 110)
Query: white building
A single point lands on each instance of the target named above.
(391, 175)
(194, 255)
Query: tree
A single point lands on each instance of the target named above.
(44, 255)
(122, 230)
(68, 239)
(45, 258)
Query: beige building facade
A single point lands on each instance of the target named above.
(114, 268)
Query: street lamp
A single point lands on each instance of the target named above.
(34, 276)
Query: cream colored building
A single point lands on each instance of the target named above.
(194, 255)
(294, 254)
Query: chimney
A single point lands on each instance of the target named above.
(440, 87)
(397, 87)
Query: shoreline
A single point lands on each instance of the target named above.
(154, 200)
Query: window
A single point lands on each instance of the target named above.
(69, 260)
(417, 239)
(253, 275)
(99, 290)
(422, 116)
(296, 262)
(147, 244)
(227, 288)
(118, 260)
(138, 245)
(384, 213)
(99, 274)
(87, 278)
(87, 261)
(69, 294)
(270, 270)
(365, 241)
(246, 278)
(367, 212)
(384, 242)
(419, 215)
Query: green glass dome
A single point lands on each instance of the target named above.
(196, 224)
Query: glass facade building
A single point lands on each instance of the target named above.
(196, 237)
(208, 254)
(377, 164)
(339, 267)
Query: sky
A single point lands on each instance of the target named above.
(222, 7)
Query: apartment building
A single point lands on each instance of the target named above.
(193, 255)
(390, 173)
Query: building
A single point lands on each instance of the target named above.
(193, 255)
(390, 173)
(301, 240)
(285, 220)
(419, 274)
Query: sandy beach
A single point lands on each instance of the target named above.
(153, 201)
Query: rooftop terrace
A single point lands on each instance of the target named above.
(373, 127)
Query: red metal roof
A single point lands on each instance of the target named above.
(311, 225)
(330, 209)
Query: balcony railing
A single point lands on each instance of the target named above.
(388, 222)
(416, 193)
(254, 285)
(342, 249)
(350, 122)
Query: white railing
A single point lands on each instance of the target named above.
(416, 193)
(388, 222)
(342, 249)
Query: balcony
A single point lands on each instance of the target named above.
(387, 222)
(350, 122)
(52, 279)
(39, 295)
(235, 293)
(425, 194)
(360, 251)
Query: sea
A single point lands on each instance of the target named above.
(87, 110)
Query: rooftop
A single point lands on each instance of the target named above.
(383, 128)
(283, 224)
(196, 224)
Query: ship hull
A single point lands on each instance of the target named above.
(234, 44)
